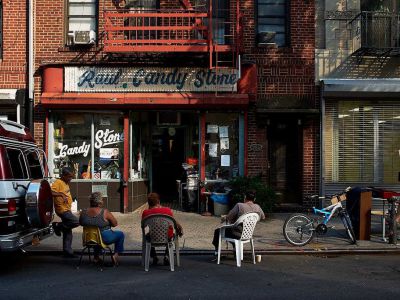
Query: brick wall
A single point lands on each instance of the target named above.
(14, 59)
(290, 72)
(282, 72)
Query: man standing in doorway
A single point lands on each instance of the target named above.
(62, 204)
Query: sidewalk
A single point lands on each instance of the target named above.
(268, 236)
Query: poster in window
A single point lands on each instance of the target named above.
(212, 128)
(223, 132)
(225, 160)
(109, 154)
(224, 144)
(213, 149)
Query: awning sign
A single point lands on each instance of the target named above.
(107, 79)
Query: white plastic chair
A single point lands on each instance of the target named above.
(158, 226)
(249, 222)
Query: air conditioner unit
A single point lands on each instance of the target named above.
(79, 37)
(266, 38)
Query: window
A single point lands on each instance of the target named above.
(272, 21)
(34, 165)
(82, 21)
(142, 4)
(17, 164)
(362, 142)
(108, 146)
(90, 144)
(222, 146)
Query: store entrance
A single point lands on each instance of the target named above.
(167, 157)
(284, 155)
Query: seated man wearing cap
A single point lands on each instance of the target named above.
(248, 206)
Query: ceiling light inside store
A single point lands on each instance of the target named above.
(357, 109)
(368, 108)
(396, 117)
(343, 116)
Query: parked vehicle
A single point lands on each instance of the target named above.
(26, 204)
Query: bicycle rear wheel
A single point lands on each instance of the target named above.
(298, 229)
(349, 228)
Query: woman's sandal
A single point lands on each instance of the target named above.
(114, 261)
(97, 260)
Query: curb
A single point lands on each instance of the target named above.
(325, 251)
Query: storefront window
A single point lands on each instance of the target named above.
(73, 141)
(362, 142)
(108, 146)
(140, 155)
(222, 146)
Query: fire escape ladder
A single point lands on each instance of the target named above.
(228, 39)
(186, 4)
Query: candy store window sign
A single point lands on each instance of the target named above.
(107, 137)
(66, 150)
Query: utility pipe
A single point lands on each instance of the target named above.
(30, 66)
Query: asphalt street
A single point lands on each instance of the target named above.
(276, 277)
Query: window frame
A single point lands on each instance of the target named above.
(95, 17)
(21, 161)
(286, 22)
(92, 155)
(31, 167)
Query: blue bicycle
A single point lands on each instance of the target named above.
(299, 229)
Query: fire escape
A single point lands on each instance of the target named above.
(368, 33)
(201, 28)
(378, 33)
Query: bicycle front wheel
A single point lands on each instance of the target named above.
(349, 228)
(298, 229)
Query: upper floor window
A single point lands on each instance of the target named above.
(272, 18)
(142, 4)
(82, 22)
(1, 29)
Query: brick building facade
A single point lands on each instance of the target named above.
(286, 95)
(13, 61)
(229, 124)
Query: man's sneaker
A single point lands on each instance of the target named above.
(56, 228)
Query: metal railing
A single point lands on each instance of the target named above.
(169, 31)
(378, 30)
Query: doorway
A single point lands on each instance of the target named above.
(167, 156)
(285, 159)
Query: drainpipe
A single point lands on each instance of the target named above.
(321, 142)
(30, 66)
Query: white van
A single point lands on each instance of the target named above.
(26, 204)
